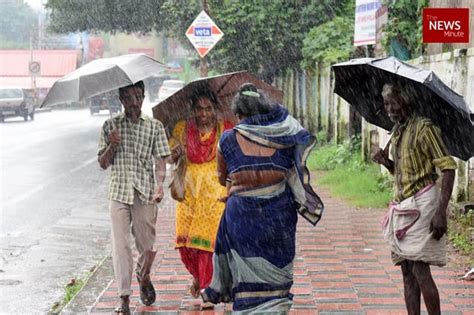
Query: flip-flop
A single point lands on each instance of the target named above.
(124, 308)
(194, 289)
(147, 292)
(206, 305)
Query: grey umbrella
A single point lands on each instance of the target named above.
(360, 82)
(102, 75)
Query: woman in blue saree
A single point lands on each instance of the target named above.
(262, 163)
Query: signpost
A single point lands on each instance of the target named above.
(35, 68)
(364, 27)
(381, 19)
(203, 34)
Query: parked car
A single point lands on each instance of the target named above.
(169, 87)
(174, 66)
(152, 85)
(105, 101)
(14, 101)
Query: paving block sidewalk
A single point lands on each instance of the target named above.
(342, 266)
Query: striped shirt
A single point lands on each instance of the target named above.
(417, 149)
(140, 144)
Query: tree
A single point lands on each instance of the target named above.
(331, 41)
(403, 31)
(104, 15)
(260, 36)
(267, 36)
(18, 23)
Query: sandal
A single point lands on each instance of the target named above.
(194, 288)
(147, 291)
(124, 307)
(206, 305)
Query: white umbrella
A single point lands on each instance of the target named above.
(102, 75)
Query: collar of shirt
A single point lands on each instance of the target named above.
(122, 116)
(399, 128)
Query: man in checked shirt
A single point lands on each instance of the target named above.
(136, 147)
(416, 223)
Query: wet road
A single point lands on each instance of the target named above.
(54, 220)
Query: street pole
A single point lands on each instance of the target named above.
(39, 31)
(33, 81)
(32, 76)
(203, 64)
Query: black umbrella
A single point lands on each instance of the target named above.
(360, 82)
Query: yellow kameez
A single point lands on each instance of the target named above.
(199, 214)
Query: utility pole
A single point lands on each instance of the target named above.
(203, 64)
(39, 30)
(33, 78)
(32, 75)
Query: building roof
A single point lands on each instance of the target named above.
(54, 65)
(26, 82)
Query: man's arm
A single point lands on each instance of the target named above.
(435, 148)
(439, 224)
(381, 157)
(161, 153)
(107, 157)
(221, 169)
(160, 175)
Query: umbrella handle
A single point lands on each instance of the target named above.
(387, 146)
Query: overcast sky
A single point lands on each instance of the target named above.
(37, 5)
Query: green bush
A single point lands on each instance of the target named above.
(327, 157)
(385, 182)
(460, 231)
(322, 137)
(349, 177)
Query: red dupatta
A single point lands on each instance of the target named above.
(201, 151)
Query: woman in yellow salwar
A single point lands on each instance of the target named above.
(199, 214)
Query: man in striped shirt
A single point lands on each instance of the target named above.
(134, 145)
(417, 218)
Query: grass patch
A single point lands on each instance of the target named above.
(71, 289)
(350, 178)
(460, 231)
(358, 188)
(363, 185)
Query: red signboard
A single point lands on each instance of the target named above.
(446, 25)
(96, 48)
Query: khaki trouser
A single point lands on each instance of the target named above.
(142, 218)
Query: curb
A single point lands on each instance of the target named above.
(92, 290)
(42, 110)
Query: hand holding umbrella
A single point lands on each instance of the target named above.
(114, 138)
(382, 157)
(107, 158)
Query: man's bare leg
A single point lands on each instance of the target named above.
(428, 287)
(412, 290)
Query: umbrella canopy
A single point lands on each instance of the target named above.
(102, 75)
(178, 105)
(360, 82)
